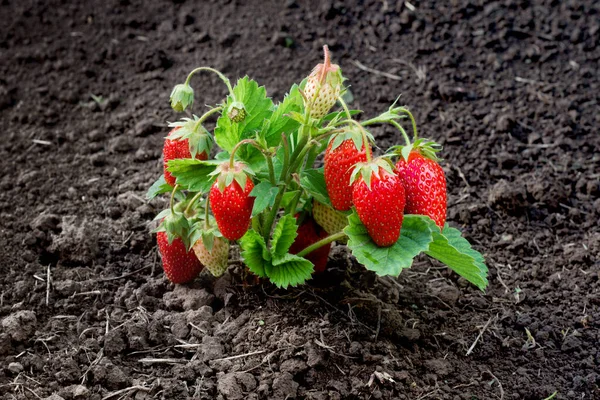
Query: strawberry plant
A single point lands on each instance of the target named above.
(263, 188)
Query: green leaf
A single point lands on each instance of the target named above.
(192, 174)
(253, 251)
(159, 187)
(283, 236)
(287, 199)
(415, 237)
(280, 122)
(313, 181)
(258, 107)
(290, 270)
(456, 252)
(265, 194)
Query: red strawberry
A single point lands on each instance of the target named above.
(323, 87)
(231, 205)
(338, 169)
(180, 265)
(179, 147)
(425, 186)
(308, 233)
(380, 207)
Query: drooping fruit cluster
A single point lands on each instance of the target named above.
(264, 187)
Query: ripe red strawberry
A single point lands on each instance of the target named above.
(214, 260)
(425, 187)
(323, 87)
(180, 265)
(338, 169)
(380, 207)
(232, 207)
(308, 233)
(174, 149)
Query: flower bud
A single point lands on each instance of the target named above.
(182, 96)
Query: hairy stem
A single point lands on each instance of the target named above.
(401, 129)
(363, 132)
(223, 78)
(172, 200)
(412, 121)
(321, 243)
(191, 203)
(206, 115)
(345, 107)
(206, 219)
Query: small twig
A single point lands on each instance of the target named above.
(506, 289)
(162, 361)
(378, 322)
(499, 385)
(376, 72)
(428, 394)
(92, 292)
(127, 390)
(114, 278)
(48, 283)
(92, 365)
(44, 142)
(240, 356)
(480, 334)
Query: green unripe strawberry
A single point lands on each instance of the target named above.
(236, 112)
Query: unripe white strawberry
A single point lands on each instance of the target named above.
(214, 260)
(330, 220)
(323, 87)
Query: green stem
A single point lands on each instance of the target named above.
(206, 220)
(206, 115)
(271, 216)
(286, 155)
(401, 129)
(345, 107)
(412, 121)
(294, 202)
(321, 243)
(191, 203)
(271, 169)
(172, 201)
(223, 78)
(238, 145)
(363, 132)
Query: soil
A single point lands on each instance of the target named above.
(510, 88)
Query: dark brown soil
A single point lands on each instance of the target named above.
(509, 88)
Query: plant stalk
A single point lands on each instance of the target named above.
(321, 243)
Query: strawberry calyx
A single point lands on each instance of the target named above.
(207, 232)
(354, 133)
(375, 168)
(328, 72)
(227, 173)
(199, 139)
(427, 148)
(175, 224)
